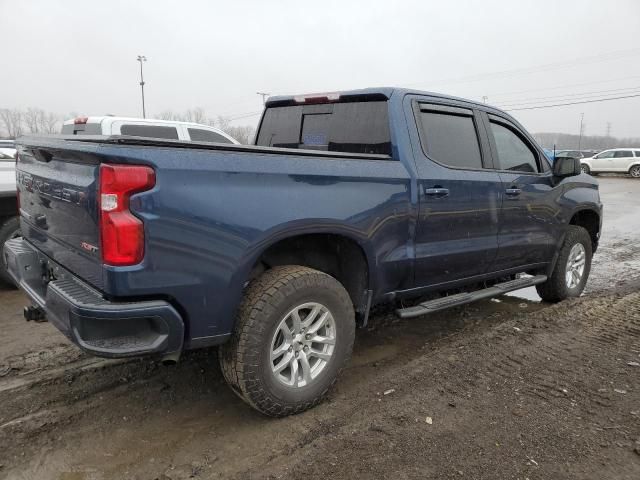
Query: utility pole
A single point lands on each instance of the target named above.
(142, 58)
(608, 129)
(581, 130)
(485, 98)
(264, 96)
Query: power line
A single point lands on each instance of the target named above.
(244, 115)
(572, 96)
(572, 103)
(615, 55)
(558, 87)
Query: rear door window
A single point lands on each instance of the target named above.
(449, 136)
(151, 131)
(623, 154)
(200, 135)
(351, 127)
(513, 152)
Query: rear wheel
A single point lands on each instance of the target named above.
(294, 333)
(635, 171)
(585, 168)
(9, 229)
(572, 267)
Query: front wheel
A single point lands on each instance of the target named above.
(572, 268)
(294, 333)
(585, 168)
(635, 171)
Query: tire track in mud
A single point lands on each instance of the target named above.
(561, 346)
(556, 369)
(541, 384)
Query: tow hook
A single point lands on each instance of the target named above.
(34, 313)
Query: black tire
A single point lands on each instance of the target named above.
(9, 229)
(555, 288)
(585, 168)
(634, 171)
(245, 360)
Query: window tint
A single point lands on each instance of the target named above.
(450, 138)
(623, 154)
(353, 127)
(82, 129)
(608, 154)
(637, 152)
(152, 131)
(513, 152)
(200, 135)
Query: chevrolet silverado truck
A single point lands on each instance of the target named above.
(276, 251)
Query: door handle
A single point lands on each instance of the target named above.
(513, 191)
(437, 192)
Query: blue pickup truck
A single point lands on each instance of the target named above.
(277, 251)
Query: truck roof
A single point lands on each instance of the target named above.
(111, 119)
(381, 92)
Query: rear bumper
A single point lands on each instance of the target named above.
(99, 326)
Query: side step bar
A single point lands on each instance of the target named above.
(462, 298)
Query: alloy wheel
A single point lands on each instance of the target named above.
(575, 265)
(303, 344)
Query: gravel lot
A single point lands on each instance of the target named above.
(503, 388)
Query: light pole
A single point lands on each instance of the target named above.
(264, 96)
(142, 58)
(581, 128)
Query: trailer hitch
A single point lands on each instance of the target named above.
(35, 313)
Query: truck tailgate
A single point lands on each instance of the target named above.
(58, 207)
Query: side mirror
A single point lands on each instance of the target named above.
(566, 167)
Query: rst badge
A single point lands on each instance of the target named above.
(88, 247)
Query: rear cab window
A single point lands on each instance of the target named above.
(82, 129)
(351, 127)
(152, 131)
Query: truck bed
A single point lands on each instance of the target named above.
(213, 209)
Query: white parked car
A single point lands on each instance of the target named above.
(145, 127)
(615, 160)
(9, 223)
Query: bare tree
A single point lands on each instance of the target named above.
(166, 115)
(195, 115)
(33, 119)
(223, 123)
(12, 121)
(244, 134)
(50, 123)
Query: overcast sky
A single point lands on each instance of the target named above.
(80, 55)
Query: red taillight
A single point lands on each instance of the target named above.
(80, 120)
(122, 233)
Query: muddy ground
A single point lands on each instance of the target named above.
(508, 388)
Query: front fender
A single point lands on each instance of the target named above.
(580, 192)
